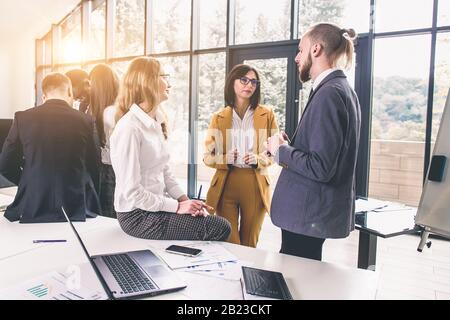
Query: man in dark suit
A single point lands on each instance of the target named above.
(51, 155)
(314, 198)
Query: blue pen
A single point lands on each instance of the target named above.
(48, 241)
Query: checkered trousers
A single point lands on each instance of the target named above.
(171, 226)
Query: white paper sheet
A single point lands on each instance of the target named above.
(51, 286)
(211, 253)
(231, 270)
(363, 205)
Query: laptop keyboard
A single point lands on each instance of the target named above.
(266, 283)
(127, 274)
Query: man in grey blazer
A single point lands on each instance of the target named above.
(314, 198)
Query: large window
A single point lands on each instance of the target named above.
(346, 13)
(191, 40)
(211, 82)
(96, 47)
(261, 21)
(177, 111)
(212, 23)
(442, 80)
(171, 25)
(400, 87)
(129, 28)
(444, 13)
(71, 49)
(403, 14)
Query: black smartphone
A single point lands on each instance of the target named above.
(186, 251)
(437, 167)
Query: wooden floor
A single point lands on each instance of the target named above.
(404, 272)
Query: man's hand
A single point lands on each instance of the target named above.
(275, 141)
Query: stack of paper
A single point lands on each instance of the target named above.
(211, 253)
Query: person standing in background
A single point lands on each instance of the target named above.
(235, 148)
(81, 89)
(104, 87)
(314, 198)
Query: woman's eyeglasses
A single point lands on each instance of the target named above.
(165, 76)
(245, 81)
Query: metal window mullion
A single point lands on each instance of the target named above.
(364, 90)
(230, 34)
(86, 9)
(149, 43)
(109, 29)
(429, 119)
(192, 138)
(294, 19)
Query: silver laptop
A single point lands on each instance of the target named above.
(131, 274)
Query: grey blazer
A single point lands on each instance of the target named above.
(315, 193)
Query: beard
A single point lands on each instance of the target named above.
(304, 74)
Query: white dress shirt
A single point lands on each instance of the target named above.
(140, 159)
(322, 76)
(242, 134)
(109, 121)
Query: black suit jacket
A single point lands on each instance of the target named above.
(51, 155)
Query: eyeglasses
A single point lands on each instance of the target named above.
(165, 76)
(245, 81)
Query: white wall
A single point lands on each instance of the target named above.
(5, 94)
(21, 22)
(17, 76)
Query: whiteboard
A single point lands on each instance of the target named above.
(434, 208)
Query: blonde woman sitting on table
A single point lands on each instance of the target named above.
(235, 147)
(148, 200)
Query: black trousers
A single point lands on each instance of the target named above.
(301, 246)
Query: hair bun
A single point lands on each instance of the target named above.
(351, 33)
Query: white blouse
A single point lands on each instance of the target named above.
(242, 136)
(140, 159)
(109, 121)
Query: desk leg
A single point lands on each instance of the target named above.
(367, 251)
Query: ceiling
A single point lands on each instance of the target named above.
(31, 19)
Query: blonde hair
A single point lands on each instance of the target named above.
(140, 84)
(337, 42)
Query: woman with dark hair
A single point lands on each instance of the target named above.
(235, 148)
(104, 90)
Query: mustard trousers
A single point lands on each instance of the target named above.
(241, 204)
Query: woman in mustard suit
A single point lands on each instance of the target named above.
(235, 147)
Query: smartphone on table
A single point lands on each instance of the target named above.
(186, 251)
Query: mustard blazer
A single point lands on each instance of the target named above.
(218, 142)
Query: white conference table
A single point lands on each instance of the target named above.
(20, 260)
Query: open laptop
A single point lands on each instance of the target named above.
(131, 274)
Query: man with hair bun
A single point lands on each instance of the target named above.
(314, 198)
